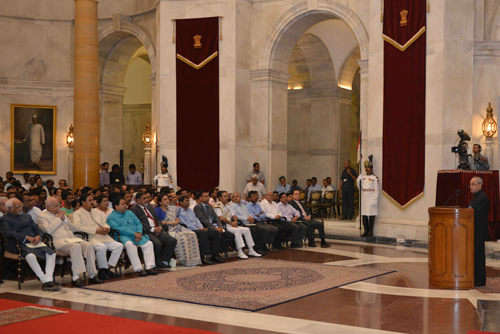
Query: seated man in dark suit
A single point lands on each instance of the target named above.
(163, 243)
(209, 219)
(19, 229)
(305, 218)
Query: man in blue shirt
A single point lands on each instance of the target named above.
(209, 240)
(283, 187)
(134, 178)
(269, 232)
(314, 187)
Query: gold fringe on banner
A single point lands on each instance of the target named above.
(200, 65)
(428, 6)
(400, 47)
(381, 10)
(173, 31)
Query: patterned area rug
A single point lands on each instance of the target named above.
(250, 285)
(12, 316)
(492, 285)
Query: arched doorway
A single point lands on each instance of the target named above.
(271, 78)
(127, 67)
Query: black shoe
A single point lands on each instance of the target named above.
(152, 271)
(261, 252)
(205, 260)
(324, 244)
(143, 273)
(343, 218)
(78, 283)
(95, 280)
(312, 244)
(217, 258)
(103, 275)
(50, 286)
(279, 247)
(162, 265)
(294, 246)
(265, 249)
(111, 274)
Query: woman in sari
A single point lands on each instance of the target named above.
(187, 250)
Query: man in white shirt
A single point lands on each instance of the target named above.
(314, 187)
(285, 228)
(98, 230)
(53, 221)
(223, 211)
(326, 187)
(26, 182)
(164, 179)
(29, 207)
(255, 185)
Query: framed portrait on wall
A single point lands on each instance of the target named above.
(33, 139)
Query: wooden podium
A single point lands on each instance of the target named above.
(451, 247)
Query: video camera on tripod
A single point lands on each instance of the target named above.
(461, 150)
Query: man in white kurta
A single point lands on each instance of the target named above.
(223, 211)
(369, 185)
(53, 221)
(255, 185)
(89, 221)
(35, 137)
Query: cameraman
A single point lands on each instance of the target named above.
(477, 161)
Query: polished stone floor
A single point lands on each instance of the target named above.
(400, 302)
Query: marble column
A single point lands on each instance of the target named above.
(86, 109)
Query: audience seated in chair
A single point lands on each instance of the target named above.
(163, 243)
(91, 222)
(209, 219)
(53, 221)
(283, 186)
(131, 229)
(305, 218)
(223, 211)
(19, 229)
(209, 240)
(29, 207)
(285, 228)
(292, 215)
(186, 250)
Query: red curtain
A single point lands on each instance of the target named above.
(197, 70)
(450, 180)
(404, 100)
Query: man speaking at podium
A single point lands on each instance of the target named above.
(481, 205)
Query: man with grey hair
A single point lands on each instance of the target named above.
(255, 185)
(53, 220)
(481, 205)
(20, 230)
(3, 209)
(35, 137)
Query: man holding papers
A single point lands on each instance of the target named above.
(53, 220)
(19, 228)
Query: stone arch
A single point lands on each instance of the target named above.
(286, 31)
(131, 29)
(270, 74)
(349, 69)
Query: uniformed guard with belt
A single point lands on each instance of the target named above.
(369, 186)
(164, 179)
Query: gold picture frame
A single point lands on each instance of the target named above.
(33, 147)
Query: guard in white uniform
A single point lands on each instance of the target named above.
(369, 185)
(164, 179)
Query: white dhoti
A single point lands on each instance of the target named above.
(35, 156)
(35, 137)
(240, 232)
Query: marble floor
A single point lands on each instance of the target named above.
(400, 302)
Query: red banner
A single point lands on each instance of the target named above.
(404, 100)
(197, 70)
